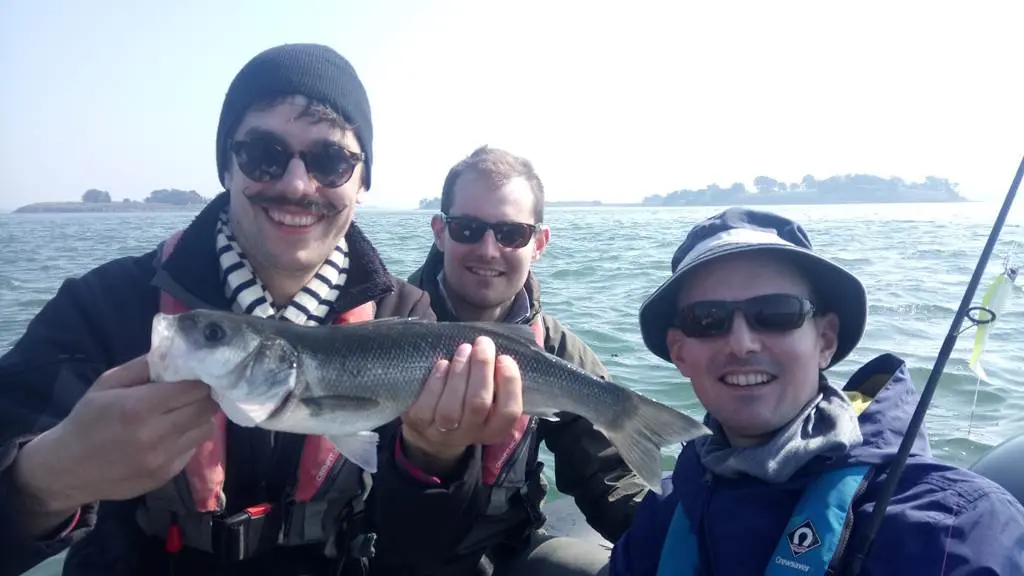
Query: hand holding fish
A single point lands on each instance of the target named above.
(474, 399)
(124, 437)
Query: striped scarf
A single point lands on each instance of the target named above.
(248, 295)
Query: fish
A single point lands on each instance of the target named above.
(343, 381)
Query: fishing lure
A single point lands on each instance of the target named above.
(992, 304)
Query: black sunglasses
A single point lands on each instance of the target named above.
(765, 313)
(263, 160)
(470, 230)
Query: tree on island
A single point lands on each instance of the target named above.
(430, 204)
(94, 196)
(176, 197)
(839, 189)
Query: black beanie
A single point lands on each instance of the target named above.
(312, 70)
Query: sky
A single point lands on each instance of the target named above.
(610, 103)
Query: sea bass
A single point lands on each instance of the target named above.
(343, 381)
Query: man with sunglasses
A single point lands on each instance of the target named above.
(184, 490)
(487, 236)
(787, 482)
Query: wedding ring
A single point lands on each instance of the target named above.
(456, 427)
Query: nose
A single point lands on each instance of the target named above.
(742, 339)
(296, 180)
(488, 245)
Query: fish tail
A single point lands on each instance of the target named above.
(645, 427)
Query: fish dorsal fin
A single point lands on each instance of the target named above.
(521, 332)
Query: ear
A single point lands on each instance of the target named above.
(540, 241)
(360, 194)
(828, 338)
(676, 341)
(437, 225)
(227, 176)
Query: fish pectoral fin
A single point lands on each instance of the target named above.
(360, 448)
(546, 415)
(318, 405)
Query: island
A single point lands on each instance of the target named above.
(839, 189)
(93, 200)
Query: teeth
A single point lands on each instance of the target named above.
(289, 219)
(747, 379)
(485, 272)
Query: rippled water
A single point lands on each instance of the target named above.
(915, 260)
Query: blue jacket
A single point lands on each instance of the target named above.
(942, 520)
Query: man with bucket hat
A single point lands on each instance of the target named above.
(788, 479)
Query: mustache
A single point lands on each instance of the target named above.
(313, 204)
(752, 363)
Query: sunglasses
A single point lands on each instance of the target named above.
(766, 313)
(262, 159)
(470, 230)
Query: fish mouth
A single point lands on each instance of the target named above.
(747, 379)
(160, 346)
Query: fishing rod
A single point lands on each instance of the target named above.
(900, 463)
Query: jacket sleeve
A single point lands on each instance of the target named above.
(420, 521)
(981, 535)
(587, 466)
(638, 551)
(61, 353)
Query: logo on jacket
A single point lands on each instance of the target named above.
(803, 538)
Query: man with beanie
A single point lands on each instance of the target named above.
(136, 477)
(789, 479)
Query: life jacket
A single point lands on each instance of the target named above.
(813, 542)
(329, 490)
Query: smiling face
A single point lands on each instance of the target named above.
(753, 382)
(483, 277)
(287, 221)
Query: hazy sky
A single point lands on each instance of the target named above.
(611, 104)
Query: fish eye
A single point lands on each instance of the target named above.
(213, 332)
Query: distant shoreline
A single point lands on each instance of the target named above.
(103, 207)
(752, 202)
(734, 202)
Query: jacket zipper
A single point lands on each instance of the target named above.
(523, 442)
(840, 566)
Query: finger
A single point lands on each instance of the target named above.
(177, 422)
(132, 373)
(508, 399)
(480, 388)
(448, 415)
(421, 413)
(163, 397)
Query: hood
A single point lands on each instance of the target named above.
(884, 394)
(425, 278)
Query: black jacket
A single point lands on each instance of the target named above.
(103, 319)
(587, 467)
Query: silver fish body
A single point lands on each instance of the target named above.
(343, 381)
